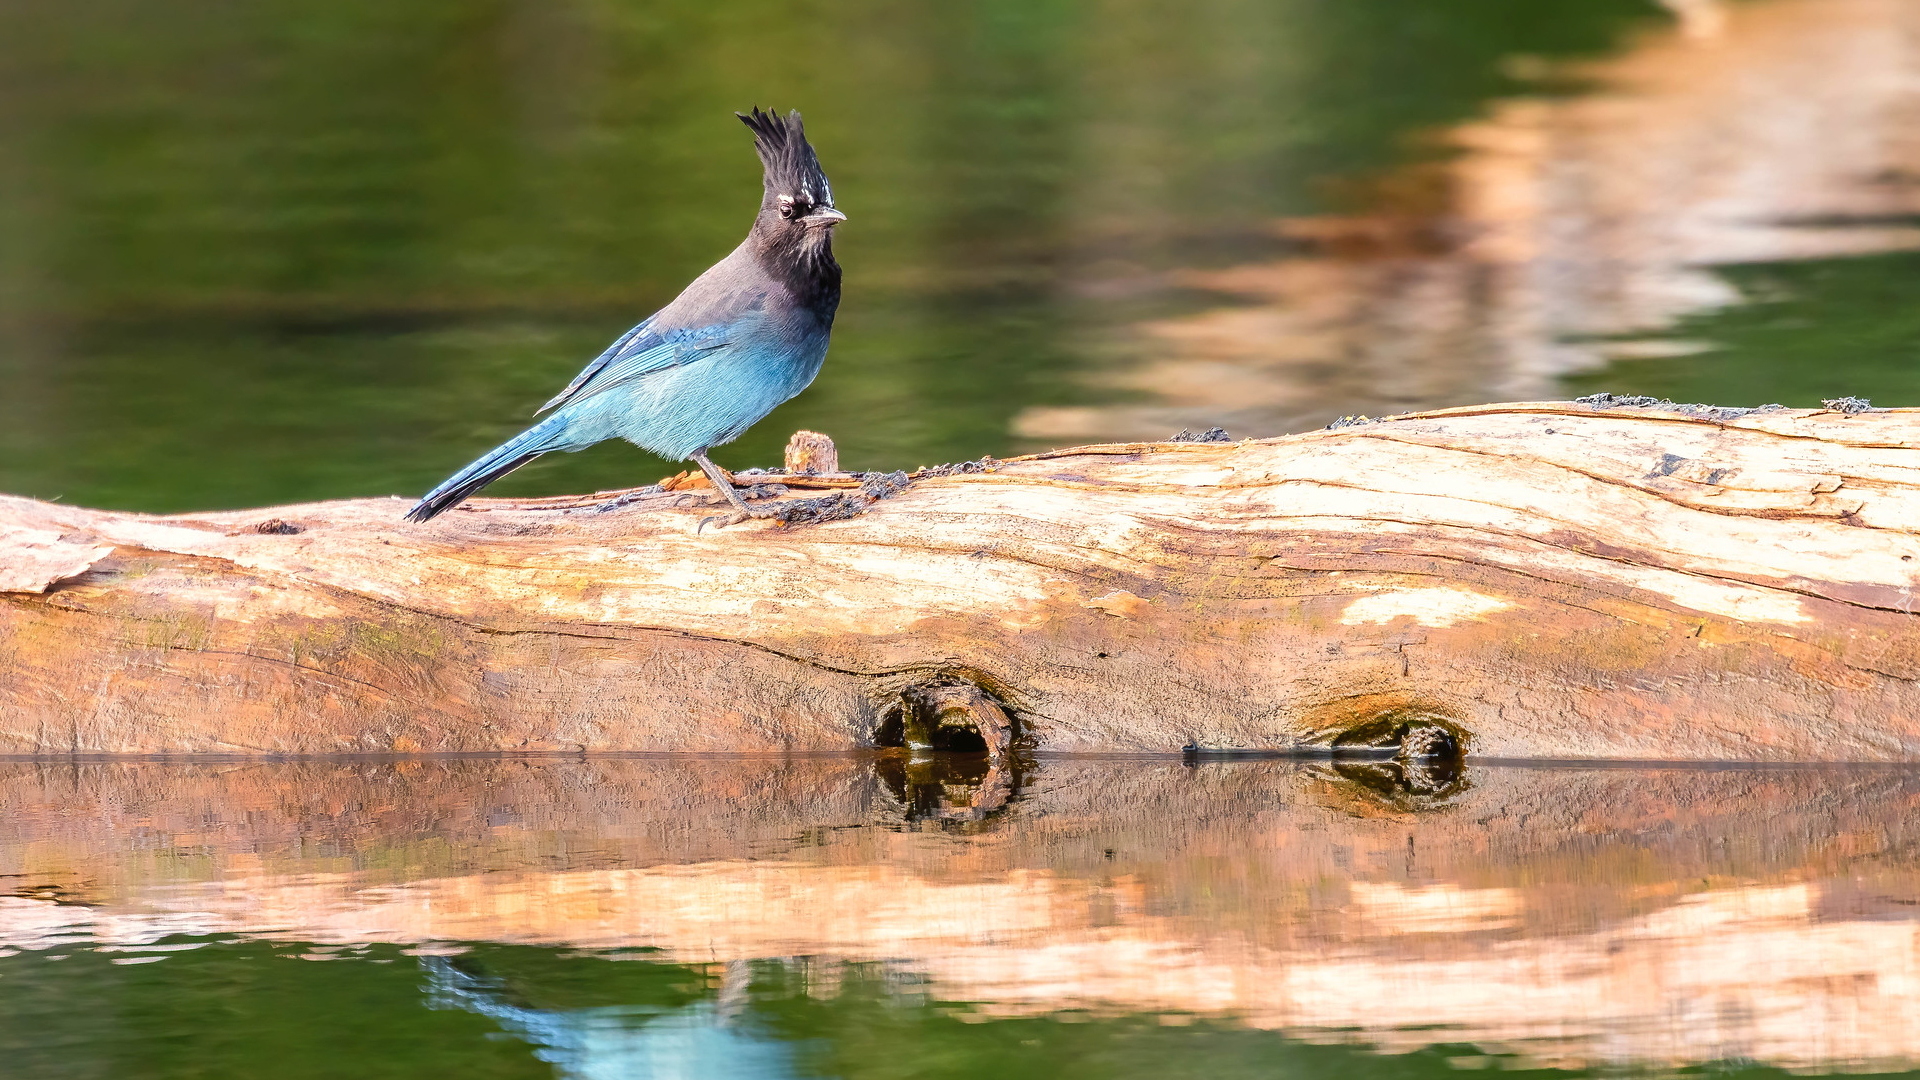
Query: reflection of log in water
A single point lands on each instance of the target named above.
(1761, 131)
(1553, 580)
(1585, 915)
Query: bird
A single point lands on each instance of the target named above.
(748, 334)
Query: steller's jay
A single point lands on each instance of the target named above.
(745, 336)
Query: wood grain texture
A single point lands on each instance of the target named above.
(1545, 579)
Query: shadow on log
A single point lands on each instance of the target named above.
(1547, 580)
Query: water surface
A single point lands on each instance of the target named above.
(878, 917)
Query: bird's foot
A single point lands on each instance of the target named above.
(721, 521)
(838, 506)
(623, 501)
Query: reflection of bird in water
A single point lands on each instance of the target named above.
(747, 335)
(700, 1040)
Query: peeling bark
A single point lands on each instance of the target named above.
(1546, 579)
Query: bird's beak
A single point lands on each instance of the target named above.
(826, 215)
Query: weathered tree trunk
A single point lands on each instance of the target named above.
(1550, 580)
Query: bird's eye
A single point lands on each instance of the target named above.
(786, 208)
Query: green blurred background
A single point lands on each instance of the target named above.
(299, 249)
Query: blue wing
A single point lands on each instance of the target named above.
(639, 351)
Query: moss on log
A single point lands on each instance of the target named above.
(1542, 580)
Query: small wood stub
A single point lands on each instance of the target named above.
(810, 453)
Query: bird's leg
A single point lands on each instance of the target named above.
(718, 478)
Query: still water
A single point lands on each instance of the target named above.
(879, 917)
(255, 253)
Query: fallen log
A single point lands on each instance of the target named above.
(1557, 580)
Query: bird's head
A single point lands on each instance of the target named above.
(798, 203)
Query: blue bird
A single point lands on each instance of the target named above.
(747, 335)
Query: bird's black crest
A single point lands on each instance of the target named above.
(792, 169)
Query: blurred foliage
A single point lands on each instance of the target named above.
(292, 249)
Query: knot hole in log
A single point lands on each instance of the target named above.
(1406, 733)
(951, 714)
(1412, 753)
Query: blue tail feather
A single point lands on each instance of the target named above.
(491, 466)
